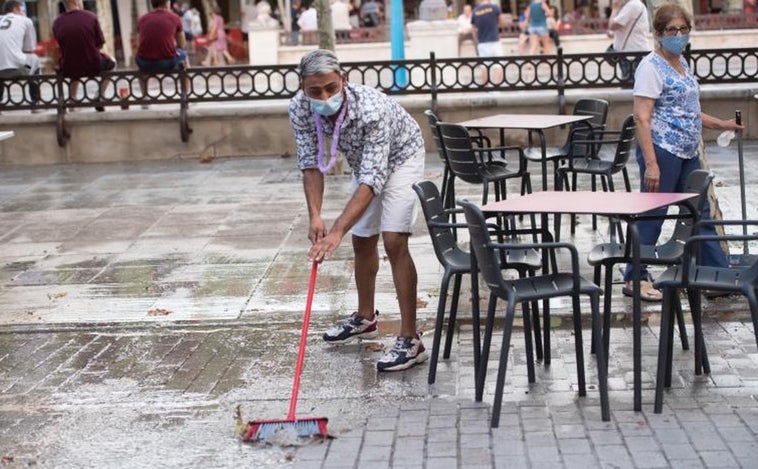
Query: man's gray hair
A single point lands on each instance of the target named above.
(319, 62)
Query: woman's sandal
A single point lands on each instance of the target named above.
(647, 291)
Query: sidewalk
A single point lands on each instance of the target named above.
(141, 303)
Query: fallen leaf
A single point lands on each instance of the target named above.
(158, 312)
(207, 158)
(6, 459)
(55, 296)
(240, 426)
(374, 347)
(421, 303)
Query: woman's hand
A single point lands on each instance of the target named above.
(652, 177)
(710, 122)
(732, 124)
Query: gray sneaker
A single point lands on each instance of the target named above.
(352, 328)
(406, 353)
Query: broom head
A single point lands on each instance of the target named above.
(304, 428)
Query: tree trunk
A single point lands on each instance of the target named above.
(325, 27)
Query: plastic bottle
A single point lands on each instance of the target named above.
(123, 94)
(725, 138)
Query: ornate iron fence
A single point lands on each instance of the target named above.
(430, 76)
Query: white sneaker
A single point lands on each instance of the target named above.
(406, 353)
(352, 328)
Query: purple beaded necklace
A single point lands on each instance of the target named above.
(325, 168)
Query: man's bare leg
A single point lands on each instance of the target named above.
(405, 279)
(366, 268)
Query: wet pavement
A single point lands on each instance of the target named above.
(140, 304)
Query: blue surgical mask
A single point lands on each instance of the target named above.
(675, 44)
(329, 107)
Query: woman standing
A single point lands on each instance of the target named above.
(218, 48)
(669, 128)
(535, 16)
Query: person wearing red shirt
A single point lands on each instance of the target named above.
(80, 38)
(161, 40)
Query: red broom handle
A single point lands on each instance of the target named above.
(303, 339)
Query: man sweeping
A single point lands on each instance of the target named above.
(384, 148)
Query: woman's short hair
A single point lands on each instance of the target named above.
(668, 12)
(319, 62)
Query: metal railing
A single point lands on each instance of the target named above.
(430, 76)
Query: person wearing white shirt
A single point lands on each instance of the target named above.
(341, 19)
(464, 24)
(17, 42)
(308, 20)
(630, 29)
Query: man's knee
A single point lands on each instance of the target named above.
(395, 245)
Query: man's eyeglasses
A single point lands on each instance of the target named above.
(673, 30)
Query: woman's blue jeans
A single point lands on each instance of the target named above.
(674, 173)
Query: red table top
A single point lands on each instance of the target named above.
(522, 121)
(588, 202)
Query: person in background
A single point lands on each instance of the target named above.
(355, 15)
(196, 23)
(371, 13)
(522, 46)
(669, 125)
(218, 49)
(486, 20)
(553, 25)
(629, 26)
(80, 38)
(464, 25)
(161, 44)
(384, 148)
(535, 16)
(189, 36)
(295, 10)
(17, 42)
(308, 20)
(341, 19)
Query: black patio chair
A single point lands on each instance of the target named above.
(666, 254)
(457, 262)
(524, 290)
(477, 164)
(695, 277)
(594, 165)
(447, 189)
(598, 109)
(448, 182)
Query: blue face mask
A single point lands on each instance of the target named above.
(329, 107)
(675, 44)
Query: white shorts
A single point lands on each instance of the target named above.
(395, 208)
(490, 49)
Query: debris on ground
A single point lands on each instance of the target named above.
(374, 347)
(55, 296)
(159, 312)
